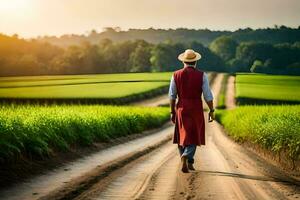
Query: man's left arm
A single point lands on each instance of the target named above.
(172, 97)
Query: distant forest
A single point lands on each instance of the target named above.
(271, 50)
(278, 34)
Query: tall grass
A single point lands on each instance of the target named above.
(276, 128)
(221, 98)
(39, 130)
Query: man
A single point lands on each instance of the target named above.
(188, 84)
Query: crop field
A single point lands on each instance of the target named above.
(221, 100)
(103, 87)
(23, 81)
(32, 130)
(267, 89)
(100, 90)
(276, 128)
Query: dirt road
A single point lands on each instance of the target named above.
(154, 102)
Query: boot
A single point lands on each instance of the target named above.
(190, 166)
(184, 167)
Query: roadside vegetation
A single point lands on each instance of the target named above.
(222, 94)
(29, 131)
(275, 128)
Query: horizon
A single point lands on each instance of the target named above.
(32, 18)
(86, 33)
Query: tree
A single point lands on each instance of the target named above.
(160, 57)
(256, 64)
(104, 43)
(248, 52)
(73, 60)
(225, 47)
(140, 59)
(164, 56)
(209, 60)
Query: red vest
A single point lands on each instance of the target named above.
(189, 121)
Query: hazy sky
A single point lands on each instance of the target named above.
(30, 18)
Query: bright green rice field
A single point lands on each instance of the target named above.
(265, 89)
(82, 86)
(32, 130)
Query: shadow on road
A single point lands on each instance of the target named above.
(245, 176)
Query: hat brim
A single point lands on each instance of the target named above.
(182, 58)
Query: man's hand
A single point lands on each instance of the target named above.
(211, 116)
(173, 115)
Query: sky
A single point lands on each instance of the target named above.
(31, 18)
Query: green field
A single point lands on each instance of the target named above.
(102, 87)
(100, 90)
(33, 130)
(276, 128)
(267, 89)
(222, 94)
(26, 81)
(30, 130)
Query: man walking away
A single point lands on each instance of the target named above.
(188, 84)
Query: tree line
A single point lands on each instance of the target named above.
(22, 57)
(274, 35)
(261, 57)
(32, 57)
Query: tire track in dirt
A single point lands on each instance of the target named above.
(130, 181)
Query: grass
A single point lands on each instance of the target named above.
(23, 81)
(222, 94)
(275, 128)
(267, 89)
(98, 90)
(103, 88)
(31, 130)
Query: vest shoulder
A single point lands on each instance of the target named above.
(178, 71)
(199, 71)
(182, 70)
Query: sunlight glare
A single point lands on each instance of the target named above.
(14, 7)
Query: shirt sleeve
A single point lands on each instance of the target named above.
(172, 89)
(207, 94)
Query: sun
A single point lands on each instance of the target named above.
(10, 7)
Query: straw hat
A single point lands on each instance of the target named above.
(189, 56)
